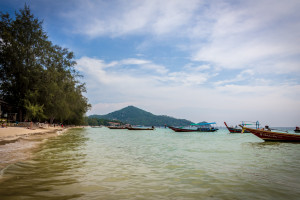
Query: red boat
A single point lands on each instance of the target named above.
(234, 130)
(297, 130)
(268, 135)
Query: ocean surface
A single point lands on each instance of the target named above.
(99, 163)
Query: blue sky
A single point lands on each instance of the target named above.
(211, 60)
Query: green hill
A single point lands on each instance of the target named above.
(136, 116)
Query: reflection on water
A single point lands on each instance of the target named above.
(161, 164)
(262, 145)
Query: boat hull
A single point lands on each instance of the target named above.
(140, 129)
(115, 127)
(234, 130)
(192, 130)
(182, 129)
(274, 136)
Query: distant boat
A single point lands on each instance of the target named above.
(201, 127)
(297, 130)
(140, 128)
(234, 130)
(116, 127)
(268, 135)
(182, 129)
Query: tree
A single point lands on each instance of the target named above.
(36, 75)
(22, 48)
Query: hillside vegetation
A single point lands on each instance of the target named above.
(136, 116)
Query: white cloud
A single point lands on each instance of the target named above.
(133, 61)
(100, 72)
(251, 34)
(140, 63)
(186, 78)
(242, 76)
(118, 18)
(197, 68)
(157, 68)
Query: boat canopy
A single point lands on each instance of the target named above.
(202, 124)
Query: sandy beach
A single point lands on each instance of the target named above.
(10, 134)
(18, 143)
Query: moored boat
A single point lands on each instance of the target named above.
(269, 135)
(140, 128)
(200, 127)
(116, 127)
(234, 130)
(182, 129)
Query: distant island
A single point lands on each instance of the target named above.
(136, 116)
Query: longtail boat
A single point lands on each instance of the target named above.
(234, 130)
(268, 135)
(200, 127)
(182, 129)
(116, 127)
(140, 128)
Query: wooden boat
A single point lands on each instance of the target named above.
(194, 129)
(116, 127)
(182, 129)
(268, 135)
(234, 130)
(297, 130)
(140, 128)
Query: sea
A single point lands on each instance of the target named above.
(105, 164)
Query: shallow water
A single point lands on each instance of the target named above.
(99, 163)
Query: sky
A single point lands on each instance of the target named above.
(201, 60)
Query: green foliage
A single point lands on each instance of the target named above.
(136, 116)
(36, 75)
(98, 122)
(34, 111)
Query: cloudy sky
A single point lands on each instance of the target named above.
(212, 60)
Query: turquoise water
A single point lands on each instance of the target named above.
(99, 163)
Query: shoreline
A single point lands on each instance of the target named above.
(18, 143)
(13, 134)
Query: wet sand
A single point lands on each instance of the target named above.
(10, 134)
(18, 143)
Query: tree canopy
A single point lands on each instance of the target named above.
(98, 122)
(36, 75)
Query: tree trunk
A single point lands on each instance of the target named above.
(51, 120)
(20, 115)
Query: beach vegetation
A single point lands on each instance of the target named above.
(98, 122)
